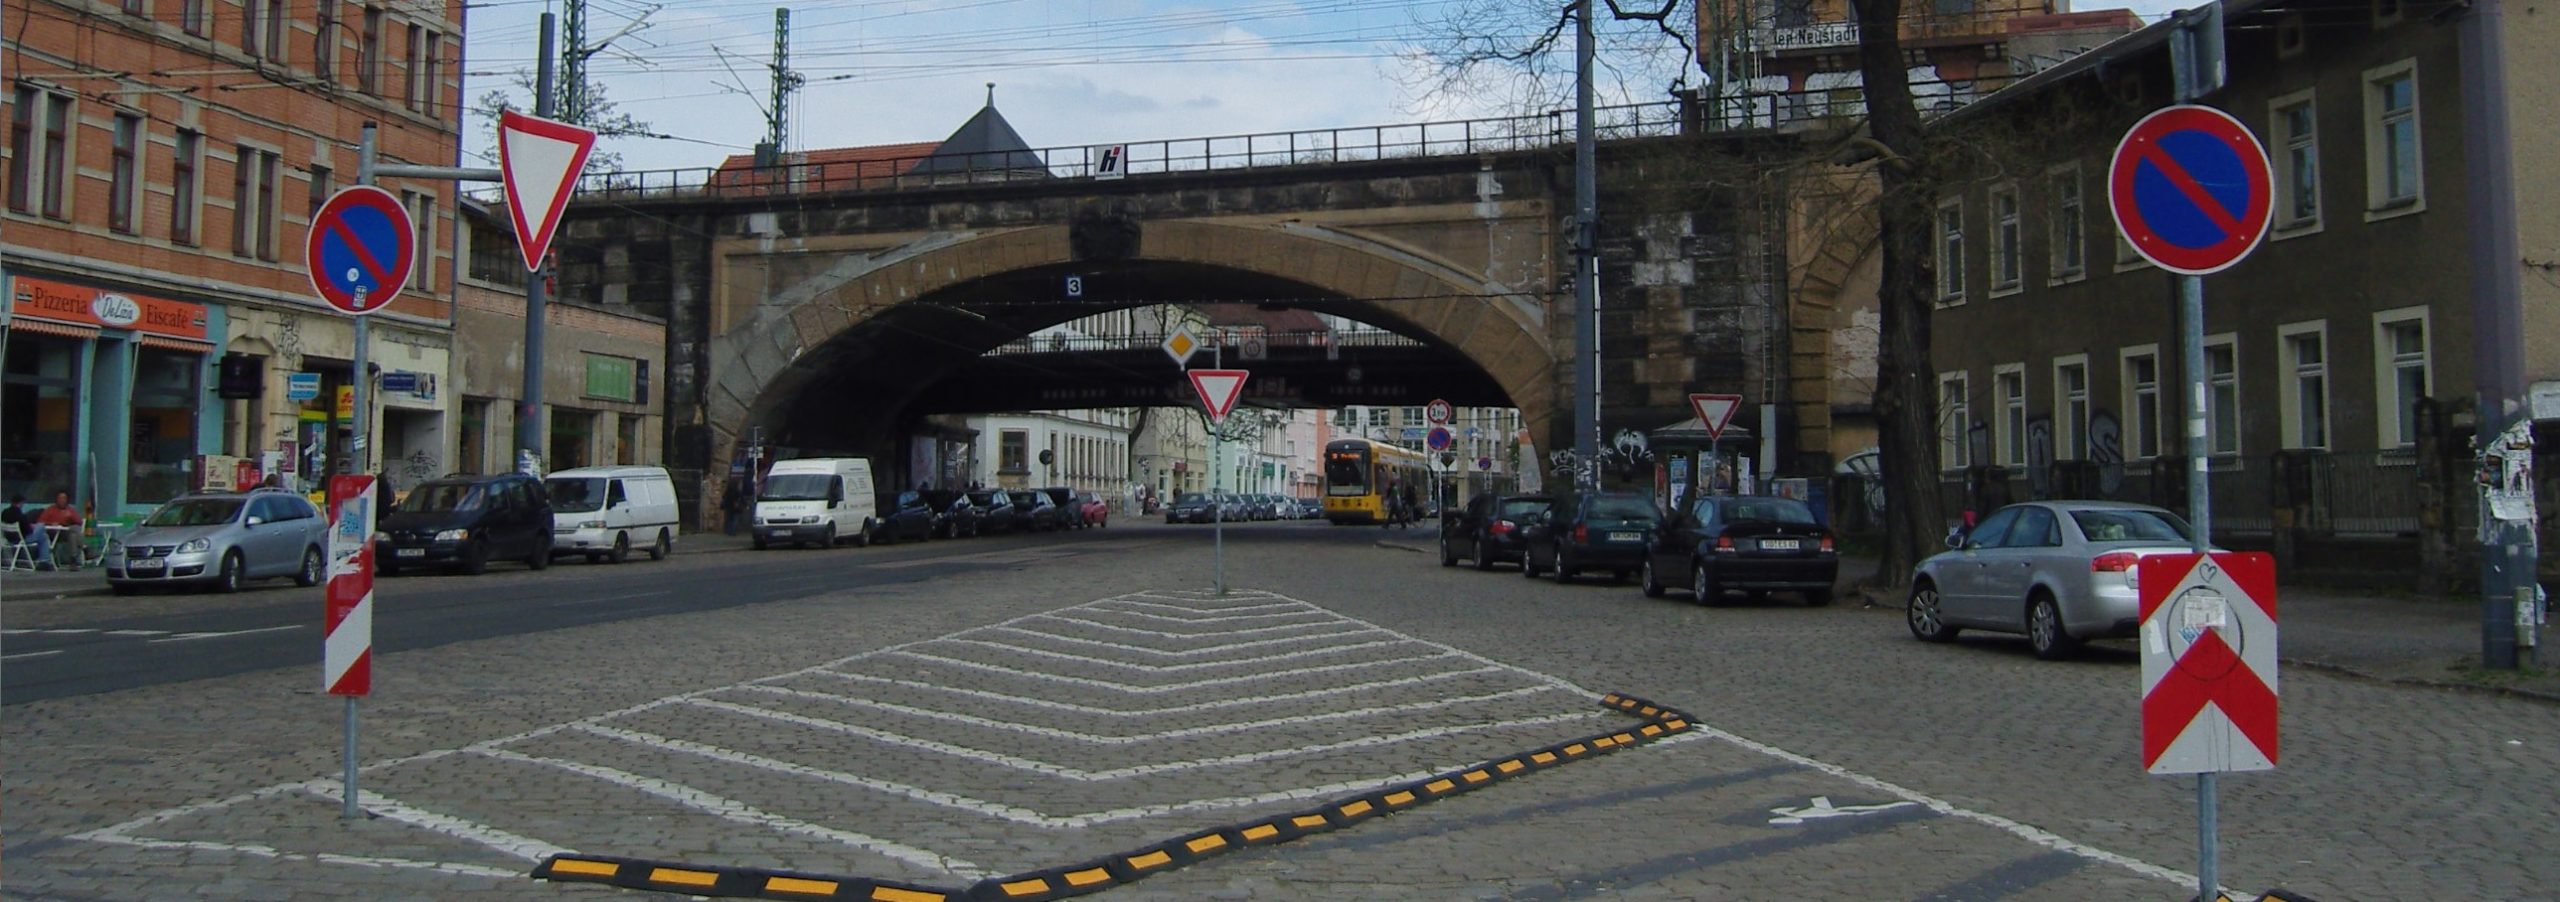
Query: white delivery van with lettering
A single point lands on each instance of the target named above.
(820, 500)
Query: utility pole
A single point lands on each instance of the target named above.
(777, 120)
(1586, 263)
(2510, 615)
(537, 295)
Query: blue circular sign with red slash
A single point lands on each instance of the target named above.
(2190, 189)
(360, 249)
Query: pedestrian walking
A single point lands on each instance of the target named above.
(733, 508)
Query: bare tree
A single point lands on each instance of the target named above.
(1522, 54)
(1905, 403)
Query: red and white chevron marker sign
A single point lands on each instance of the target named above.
(346, 656)
(2208, 662)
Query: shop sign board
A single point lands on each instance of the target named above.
(82, 305)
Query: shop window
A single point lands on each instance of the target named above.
(626, 441)
(40, 415)
(573, 436)
(472, 446)
(167, 388)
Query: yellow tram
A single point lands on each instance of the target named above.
(1359, 474)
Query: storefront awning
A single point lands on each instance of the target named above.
(47, 327)
(174, 344)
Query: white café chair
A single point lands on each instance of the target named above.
(19, 550)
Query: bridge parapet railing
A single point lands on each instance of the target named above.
(1309, 147)
(1075, 344)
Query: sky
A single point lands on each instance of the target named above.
(1066, 72)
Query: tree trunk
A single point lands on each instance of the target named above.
(1906, 403)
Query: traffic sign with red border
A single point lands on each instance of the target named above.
(1218, 389)
(1439, 438)
(1714, 412)
(359, 249)
(2190, 189)
(540, 160)
(1439, 412)
(2208, 638)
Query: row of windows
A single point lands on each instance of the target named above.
(2394, 185)
(43, 139)
(1078, 456)
(263, 31)
(2402, 367)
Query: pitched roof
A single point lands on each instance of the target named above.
(985, 143)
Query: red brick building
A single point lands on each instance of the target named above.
(163, 163)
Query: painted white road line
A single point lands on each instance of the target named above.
(190, 637)
(501, 840)
(1173, 668)
(1169, 687)
(1012, 813)
(740, 812)
(1199, 635)
(29, 654)
(1106, 739)
(1151, 712)
(1187, 609)
(1172, 619)
(1185, 653)
(134, 634)
(123, 834)
(1082, 775)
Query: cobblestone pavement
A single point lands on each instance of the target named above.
(996, 721)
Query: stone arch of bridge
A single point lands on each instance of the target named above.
(761, 364)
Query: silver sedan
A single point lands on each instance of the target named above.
(2060, 572)
(220, 539)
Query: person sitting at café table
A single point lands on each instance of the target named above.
(30, 532)
(60, 514)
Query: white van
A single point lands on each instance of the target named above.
(823, 500)
(603, 511)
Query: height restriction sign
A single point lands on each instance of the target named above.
(2208, 639)
(2190, 189)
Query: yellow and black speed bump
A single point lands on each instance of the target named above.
(1653, 722)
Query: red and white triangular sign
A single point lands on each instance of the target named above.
(1715, 412)
(1218, 389)
(541, 160)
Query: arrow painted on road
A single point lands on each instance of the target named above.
(1822, 808)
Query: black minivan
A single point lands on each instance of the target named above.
(465, 522)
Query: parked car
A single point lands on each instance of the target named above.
(953, 516)
(219, 539)
(1070, 511)
(1035, 512)
(2060, 572)
(598, 510)
(1191, 507)
(995, 512)
(907, 518)
(1097, 512)
(1309, 509)
(820, 501)
(466, 522)
(1595, 531)
(1490, 529)
(1755, 543)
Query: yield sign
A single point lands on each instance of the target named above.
(1715, 412)
(1218, 390)
(2208, 662)
(541, 160)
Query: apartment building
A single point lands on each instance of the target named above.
(2338, 357)
(164, 160)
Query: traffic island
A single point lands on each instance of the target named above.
(1653, 722)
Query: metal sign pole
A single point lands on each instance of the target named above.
(2193, 52)
(359, 445)
(1218, 467)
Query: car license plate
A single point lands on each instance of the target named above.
(1626, 537)
(1780, 545)
(144, 564)
(410, 552)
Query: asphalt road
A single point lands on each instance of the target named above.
(91, 644)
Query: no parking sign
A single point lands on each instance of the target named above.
(2190, 189)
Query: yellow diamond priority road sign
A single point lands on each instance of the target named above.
(1181, 345)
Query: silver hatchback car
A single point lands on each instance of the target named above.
(221, 539)
(2061, 572)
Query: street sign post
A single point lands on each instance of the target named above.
(346, 651)
(359, 249)
(1439, 412)
(1218, 389)
(2208, 640)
